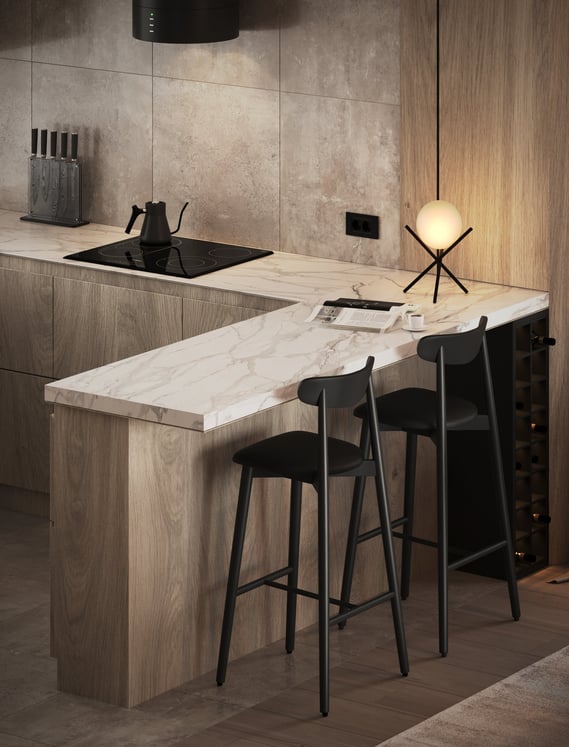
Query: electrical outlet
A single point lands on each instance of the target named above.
(358, 224)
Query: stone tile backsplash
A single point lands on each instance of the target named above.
(271, 137)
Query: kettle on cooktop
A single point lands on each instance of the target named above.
(155, 229)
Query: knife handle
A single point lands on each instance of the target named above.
(64, 144)
(53, 144)
(43, 143)
(74, 142)
(34, 141)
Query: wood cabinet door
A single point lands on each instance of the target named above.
(24, 431)
(26, 322)
(203, 316)
(96, 324)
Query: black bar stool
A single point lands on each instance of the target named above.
(304, 457)
(422, 412)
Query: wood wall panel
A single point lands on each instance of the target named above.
(494, 140)
(558, 244)
(504, 163)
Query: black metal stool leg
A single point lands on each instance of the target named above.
(442, 540)
(324, 597)
(501, 490)
(354, 528)
(385, 520)
(234, 570)
(293, 552)
(408, 509)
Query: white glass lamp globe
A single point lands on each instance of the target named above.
(439, 224)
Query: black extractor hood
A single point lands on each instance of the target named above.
(185, 21)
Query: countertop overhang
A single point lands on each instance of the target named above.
(216, 378)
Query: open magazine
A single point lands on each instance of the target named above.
(357, 313)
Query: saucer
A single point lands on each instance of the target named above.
(407, 328)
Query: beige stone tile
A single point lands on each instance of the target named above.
(87, 34)
(338, 156)
(15, 30)
(15, 82)
(112, 113)
(217, 147)
(250, 60)
(343, 49)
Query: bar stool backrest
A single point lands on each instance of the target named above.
(459, 348)
(345, 390)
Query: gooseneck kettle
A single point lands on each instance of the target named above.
(155, 229)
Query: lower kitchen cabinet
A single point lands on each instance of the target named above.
(96, 324)
(24, 432)
(26, 322)
(205, 316)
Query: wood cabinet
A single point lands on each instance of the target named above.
(96, 324)
(205, 316)
(26, 324)
(24, 431)
(53, 327)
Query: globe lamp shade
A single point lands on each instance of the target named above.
(439, 224)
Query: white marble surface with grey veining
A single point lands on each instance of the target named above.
(216, 378)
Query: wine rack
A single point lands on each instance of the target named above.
(530, 480)
(519, 355)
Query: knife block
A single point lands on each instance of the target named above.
(55, 192)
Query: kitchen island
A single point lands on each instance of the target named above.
(143, 488)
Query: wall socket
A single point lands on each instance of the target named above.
(358, 224)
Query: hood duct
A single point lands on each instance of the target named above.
(185, 21)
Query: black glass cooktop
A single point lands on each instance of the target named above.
(186, 258)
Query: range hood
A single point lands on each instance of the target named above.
(185, 21)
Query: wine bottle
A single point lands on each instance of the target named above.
(527, 557)
(538, 428)
(541, 340)
(541, 518)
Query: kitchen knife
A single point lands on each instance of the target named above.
(63, 178)
(34, 176)
(53, 144)
(43, 143)
(44, 179)
(64, 145)
(53, 175)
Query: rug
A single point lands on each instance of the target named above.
(528, 709)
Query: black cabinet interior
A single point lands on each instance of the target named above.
(520, 361)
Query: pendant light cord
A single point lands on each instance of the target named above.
(438, 96)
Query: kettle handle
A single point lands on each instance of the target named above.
(136, 211)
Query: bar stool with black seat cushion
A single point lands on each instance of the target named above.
(422, 412)
(305, 457)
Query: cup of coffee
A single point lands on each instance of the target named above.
(416, 321)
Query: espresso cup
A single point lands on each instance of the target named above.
(416, 321)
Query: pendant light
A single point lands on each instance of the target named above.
(185, 21)
(438, 224)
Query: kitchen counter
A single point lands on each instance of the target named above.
(143, 488)
(230, 373)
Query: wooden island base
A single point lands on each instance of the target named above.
(142, 526)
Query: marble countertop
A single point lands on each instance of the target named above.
(207, 381)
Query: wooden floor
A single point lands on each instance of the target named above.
(271, 698)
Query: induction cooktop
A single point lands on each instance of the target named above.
(187, 258)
